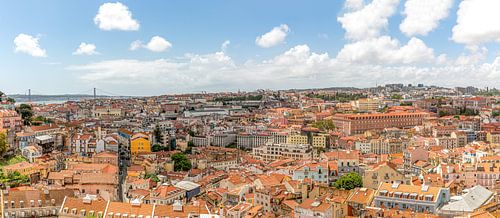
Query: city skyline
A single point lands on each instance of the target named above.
(133, 48)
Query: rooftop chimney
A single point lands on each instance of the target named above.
(177, 206)
(135, 202)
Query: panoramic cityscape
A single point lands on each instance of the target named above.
(250, 109)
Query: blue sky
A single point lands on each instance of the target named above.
(311, 46)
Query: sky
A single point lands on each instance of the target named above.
(163, 47)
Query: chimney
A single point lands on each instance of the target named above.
(135, 202)
(177, 206)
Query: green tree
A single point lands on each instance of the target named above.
(349, 181)
(154, 177)
(26, 113)
(11, 100)
(181, 163)
(443, 113)
(397, 96)
(189, 149)
(39, 120)
(13, 179)
(156, 148)
(324, 125)
(495, 113)
(157, 134)
(3, 144)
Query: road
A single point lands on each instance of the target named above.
(123, 163)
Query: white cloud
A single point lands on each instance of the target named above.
(475, 55)
(477, 22)
(354, 4)
(385, 50)
(137, 44)
(158, 44)
(274, 37)
(224, 45)
(115, 16)
(368, 21)
(86, 49)
(296, 67)
(28, 44)
(423, 16)
(155, 44)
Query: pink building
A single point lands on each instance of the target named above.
(9, 119)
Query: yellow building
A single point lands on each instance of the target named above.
(319, 141)
(493, 137)
(297, 139)
(384, 172)
(366, 104)
(140, 143)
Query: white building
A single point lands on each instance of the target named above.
(274, 151)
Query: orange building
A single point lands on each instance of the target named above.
(359, 123)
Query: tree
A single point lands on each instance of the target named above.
(324, 125)
(349, 181)
(397, 97)
(443, 113)
(154, 177)
(189, 149)
(495, 113)
(13, 179)
(157, 135)
(3, 144)
(39, 120)
(11, 100)
(156, 148)
(181, 163)
(26, 113)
